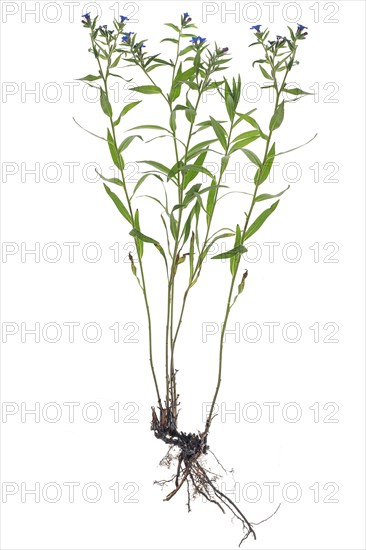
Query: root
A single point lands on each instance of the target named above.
(187, 452)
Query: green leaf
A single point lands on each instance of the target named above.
(149, 127)
(250, 121)
(247, 135)
(230, 106)
(173, 121)
(266, 196)
(252, 157)
(230, 253)
(104, 102)
(173, 226)
(116, 157)
(296, 91)
(116, 61)
(257, 224)
(164, 169)
(126, 142)
(142, 179)
(120, 206)
(264, 73)
(172, 26)
(90, 78)
(125, 111)
(191, 171)
(136, 233)
(224, 162)
(139, 243)
(149, 89)
(116, 181)
(242, 143)
(187, 226)
(263, 172)
(277, 117)
(234, 260)
(211, 199)
(174, 40)
(199, 148)
(191, 257)
(219, 131)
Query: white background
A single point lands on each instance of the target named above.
(52, 48)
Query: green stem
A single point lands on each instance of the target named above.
(231, 290)
(198, 266)
(143, 281)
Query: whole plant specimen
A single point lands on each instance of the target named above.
(195, 69)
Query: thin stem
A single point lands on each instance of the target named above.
(198, 266)
(231, 290)
(143, 281)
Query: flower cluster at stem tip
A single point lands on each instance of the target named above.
(280, 40)
(127, 36)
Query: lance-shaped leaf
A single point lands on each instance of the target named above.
(219, 131)
(234, 260)
(149, 127)
(191, 173)
(252, 157)
(144, 238)
(149, 89)
(139, 243)
(160, 167)
(104, 103)
(266, 196)
(191, 257)
(263, 172)
(120, 206)
(250, 121)
(199, 148)
(260, 221)
(264, 73)
(125, 110)
(211, 199)
(230, 253)
(143, 178)
(173, 226)
(187, 226)
(90, 78)
(115, 154)
(277, 117)
(296, 91)
(126, 142)
(116, 181)
(221, 236)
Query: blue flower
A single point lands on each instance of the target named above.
(86, 21)
(196, 40)
(139, 46)
(300, 27)
(186, 15)
(123, 18)
(256, 28)
(127, 36)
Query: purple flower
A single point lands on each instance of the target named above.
(86, 19)
(123, 18)
(139, 46)
(300, 28)
(127, 36)
(256, 28)
(186, 15)
(197, 40)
